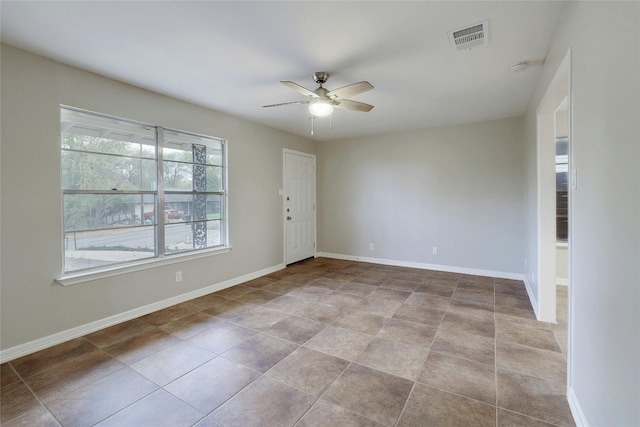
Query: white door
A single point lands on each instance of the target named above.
(299, 206)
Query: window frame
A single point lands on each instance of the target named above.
(160, 256)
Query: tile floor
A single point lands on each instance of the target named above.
(321, 343)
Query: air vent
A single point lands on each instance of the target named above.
(471, 36)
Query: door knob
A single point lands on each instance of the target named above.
(288, 218)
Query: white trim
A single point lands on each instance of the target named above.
(576, 410)
(115, 270)
(532, 298)
(60, 337)
(436, 267)
(562, 281)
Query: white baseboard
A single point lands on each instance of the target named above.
(532, 298)
(576, 409)
(60, 337)
(424, 266)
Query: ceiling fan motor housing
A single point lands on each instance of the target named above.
(320, 77)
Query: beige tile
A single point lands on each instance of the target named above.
(474, 278)
(511, 419)
(327, 283)
(172, 362)
(51, 357)
(466, 346)
(378, 306)
(428, 406)
(204, 302)
(339, 342)
(440, 289)
(361, 321)
(158, 409)
(258, 297)
(257, 318)
(358, 289)
(261, 352)
(295, 329)
(16, 400)
(471, 308)
(137, 348)
(288, 304)
(266, 402)
(234, 291)
(325, 413)
(534, 397)
(524, 335)
(167, 315)
(460, 376)
(75, 373)
(472, 295)
(308, 370)
(325, 313)
(379, 395)
(225, 308)
(502, 319)
(190, 325)
(513, 301)
(563, 340)
(400, 285)
(343, 300)
(515, 312)
(482, 326)
(105, 396)
(222, 337)
(393, 357)
(281, 287)
(7, 375)
(415, 334)
(36, 416)
(428, 300)
(210, 385)
(531, 361)
(260, 282)
(310, 292)
(418, 314)
(390, 294)
(113, 334)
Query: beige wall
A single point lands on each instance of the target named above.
(604, 373)
(458, 188)
(33, 305)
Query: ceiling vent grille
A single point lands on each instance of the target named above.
(471, 36)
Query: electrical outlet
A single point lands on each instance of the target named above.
(371, 246)
(435, 250)
(178, 276)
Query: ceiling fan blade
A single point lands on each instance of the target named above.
(287, 103)
(347, 104)
(350, 90)
(298, 88)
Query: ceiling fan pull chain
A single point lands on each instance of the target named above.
(312, 125)
(330, 122)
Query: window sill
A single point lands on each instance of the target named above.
(88, 276)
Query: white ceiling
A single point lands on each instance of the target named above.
(230, 56)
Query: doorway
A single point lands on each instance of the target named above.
(299, 173)
(553, 118)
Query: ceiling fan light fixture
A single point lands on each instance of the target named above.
(320, 108)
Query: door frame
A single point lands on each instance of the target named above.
(558, 91)
(314, 232)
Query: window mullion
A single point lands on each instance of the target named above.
(160, 237)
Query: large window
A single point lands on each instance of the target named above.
(132, 191)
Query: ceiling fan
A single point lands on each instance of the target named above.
(322, 101)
